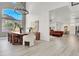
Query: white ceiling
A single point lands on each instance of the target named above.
(64, 14)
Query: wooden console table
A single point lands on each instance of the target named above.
(16, 39)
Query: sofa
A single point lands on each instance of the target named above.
(56, 33)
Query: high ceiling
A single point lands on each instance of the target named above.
(65, 14)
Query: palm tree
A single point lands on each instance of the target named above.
(12, 25)
(19, 26)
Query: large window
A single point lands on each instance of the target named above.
(14, 14)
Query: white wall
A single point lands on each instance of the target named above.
(40, 11)
(74, 15)
(32, 16)
(61, 16)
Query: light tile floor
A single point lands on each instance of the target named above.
(68, 45)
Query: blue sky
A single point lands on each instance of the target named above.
(12, 13)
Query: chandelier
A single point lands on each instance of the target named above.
(23, 11)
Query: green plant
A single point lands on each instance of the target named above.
(18, 25)
(12, 25)
(8, 25)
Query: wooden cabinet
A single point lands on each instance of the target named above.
(37, 35)
(15, 39)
